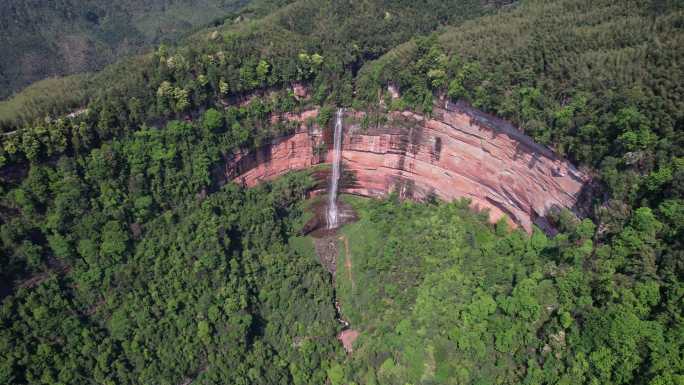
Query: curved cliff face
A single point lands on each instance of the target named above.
(458, 152)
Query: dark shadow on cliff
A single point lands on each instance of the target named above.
(233, 164)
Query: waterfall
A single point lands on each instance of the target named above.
(335, 177)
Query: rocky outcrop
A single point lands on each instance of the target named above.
(298, 151)
(457, 152)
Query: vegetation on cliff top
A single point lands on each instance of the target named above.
(41, 39)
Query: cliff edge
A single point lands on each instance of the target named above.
(456, 152)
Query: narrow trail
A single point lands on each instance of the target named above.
(348, 335)
(348, 261)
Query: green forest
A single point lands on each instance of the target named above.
(441, 297)
(41, 39)
(125, 258)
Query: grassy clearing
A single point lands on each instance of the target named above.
(363, 238)
(42, 95)
(303, 245)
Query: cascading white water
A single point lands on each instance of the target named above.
(335, 177)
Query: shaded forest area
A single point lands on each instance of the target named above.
(41, 39)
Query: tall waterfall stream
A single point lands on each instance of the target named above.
(327, 245)
(332, 212)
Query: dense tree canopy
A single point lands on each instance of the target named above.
(40, 39)
(440, 297)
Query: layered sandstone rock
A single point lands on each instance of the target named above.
(458, 152)
(298, 151)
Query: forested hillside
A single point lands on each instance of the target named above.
(601, 83)
(439, 297)
(123, 260)
(288, 44)
(39, 39)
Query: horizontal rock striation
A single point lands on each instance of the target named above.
(457, 152)
(298, 151)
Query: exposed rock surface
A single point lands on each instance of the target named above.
(458, 152)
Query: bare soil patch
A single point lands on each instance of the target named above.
(348, 337)
(325, 240)
(326, 249)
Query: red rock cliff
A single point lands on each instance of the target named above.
(458, 152)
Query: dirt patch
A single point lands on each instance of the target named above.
(348, 337)
(325, 240)
(326, 249)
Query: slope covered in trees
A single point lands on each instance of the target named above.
(39, 39)
(282, 44)
(209, 291)
(599, 82)
(439, 297)
(122, 260)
